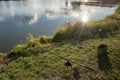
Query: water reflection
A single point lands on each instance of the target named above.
(30, 11)
(42, 17)
(85, 17)
(29, 19)
(21, 10)
(1, 19)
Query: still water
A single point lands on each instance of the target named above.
(42, 17)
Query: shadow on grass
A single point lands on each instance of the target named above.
(76, 74)
(103, 59)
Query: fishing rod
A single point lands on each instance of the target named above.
(83, 66)
(75, 62)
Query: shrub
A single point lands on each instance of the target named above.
(44, 39)
(59, 35)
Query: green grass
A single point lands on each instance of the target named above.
(38, 58)
(94, 29)
(2, 56)
(118, 9)
(47, 65)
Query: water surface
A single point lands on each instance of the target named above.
(41, 17)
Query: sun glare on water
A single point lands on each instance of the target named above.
(84, 18)
(86, 0)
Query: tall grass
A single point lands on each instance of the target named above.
(118, 9)
(2, 55)
(94, 29)
(74, 31)
(33, 46)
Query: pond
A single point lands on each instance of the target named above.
(43, 17)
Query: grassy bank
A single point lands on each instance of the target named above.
(92, 30)
(41, 62)
(41, 58)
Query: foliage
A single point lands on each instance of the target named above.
(104, 28)
(73, 32)
(32, 47)
(95, 29)
(113, 17)
(118, 9)
(2, 55)
(44, 39)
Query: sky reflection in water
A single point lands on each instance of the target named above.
(31, 11)
(41, 17)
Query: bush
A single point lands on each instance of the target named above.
(44, 39)
(59, 35)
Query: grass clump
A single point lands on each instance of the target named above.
(2, 55)
(105, 28)
(72, 32)
(44, 39)
(32, 47)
